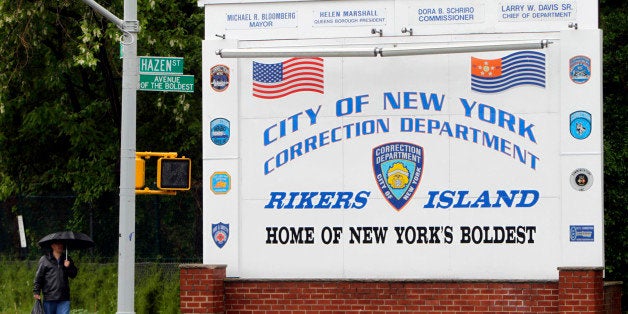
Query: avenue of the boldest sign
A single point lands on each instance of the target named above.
(164, 74)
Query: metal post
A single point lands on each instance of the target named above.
(126, 242)
(130, 80)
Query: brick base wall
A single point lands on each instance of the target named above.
(581, 290)
(204, 289)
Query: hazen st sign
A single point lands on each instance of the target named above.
(164, 74)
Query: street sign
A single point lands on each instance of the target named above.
(167, 83)
(163, 65)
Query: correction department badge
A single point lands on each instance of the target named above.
(219, 131)
(581, 179)
(220, 234)
(219, 77)
(398, 167)
(220, 182)
(580, 69)
(580, 124)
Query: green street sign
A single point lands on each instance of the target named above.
(167, 83)
(164, 65)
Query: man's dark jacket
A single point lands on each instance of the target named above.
(52, 278)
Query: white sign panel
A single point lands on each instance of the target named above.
(477, 165)
(523, 11)
(348, 16)
(449, 12)
(245, 19)
(20, 226)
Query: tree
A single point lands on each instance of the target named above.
(60, 108)
(614, 23)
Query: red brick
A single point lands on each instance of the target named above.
(574, 291)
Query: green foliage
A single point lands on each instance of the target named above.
(614, 23)
(16, 286)
(60, 105)
(157, 294)
(94, 290)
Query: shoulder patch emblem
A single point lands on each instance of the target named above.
(580, 124)
(219, 77)
(580, 69)
(398, 167)
(220, 234)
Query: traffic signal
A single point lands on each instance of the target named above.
(140, 172)
(174, 173)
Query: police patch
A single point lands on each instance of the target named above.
(219, 131)
(219, 77)
(220, 182)
(398, 167)
(580, 124)
(581, 179)
(580, 69)
(220, 234)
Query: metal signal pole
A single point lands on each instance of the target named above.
(130, 81)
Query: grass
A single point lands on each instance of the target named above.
(94, 290)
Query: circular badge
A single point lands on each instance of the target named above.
(220, 131)
(581, 179)
(219, 77)
(580, 124)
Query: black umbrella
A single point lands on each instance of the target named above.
(75, 240)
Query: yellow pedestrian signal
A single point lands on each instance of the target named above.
(140, 166)
(174, 173)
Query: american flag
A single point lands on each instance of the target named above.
(497, 75)
(276, 80)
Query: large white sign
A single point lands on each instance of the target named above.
(478, 165)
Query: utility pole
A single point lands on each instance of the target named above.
(130, 81)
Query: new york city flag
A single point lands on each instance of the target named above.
(516, 69)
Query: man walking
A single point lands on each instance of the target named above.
(52, 280)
